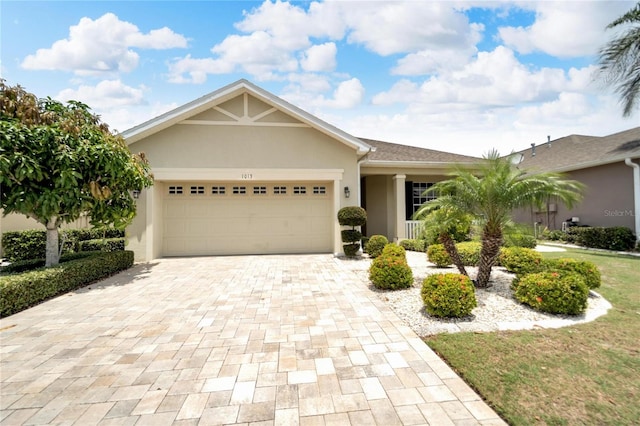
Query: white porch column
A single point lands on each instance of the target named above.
(399, 197)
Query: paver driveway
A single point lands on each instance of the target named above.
(226, 340)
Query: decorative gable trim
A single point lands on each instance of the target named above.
(241, 87)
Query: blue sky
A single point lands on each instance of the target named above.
(462, 76)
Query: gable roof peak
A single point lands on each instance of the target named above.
(228, 92)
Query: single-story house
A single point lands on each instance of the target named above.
(609, 168)
(241, 171)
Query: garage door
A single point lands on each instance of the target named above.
(247, 218)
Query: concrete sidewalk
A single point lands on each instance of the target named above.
(226, 340)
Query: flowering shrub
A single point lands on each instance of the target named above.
(556, 292)
(375, 245)
(438, 255)
(390, 271)
(448, 295)
(394, 250)
(587, 270)
(520, 260)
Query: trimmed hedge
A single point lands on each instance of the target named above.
(106, 244)
(556, 292)
(30, 264)
(617, 238)
(31, 244)
(24, 245)
(414, 245)
(448, 295)
(375, 245)
(21, 291)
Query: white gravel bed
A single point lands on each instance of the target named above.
(496, 310)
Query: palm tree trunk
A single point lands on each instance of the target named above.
(452, 251)
(491, 242)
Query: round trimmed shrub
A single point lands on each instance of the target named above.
(352, 216)
(556, 292)
(587, 270)
(389, 272)
(350, 236)
(448, 295)
(437, 255)
(375, 245)
(469, 252)
(520, 260)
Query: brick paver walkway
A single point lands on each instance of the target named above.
(226, 340)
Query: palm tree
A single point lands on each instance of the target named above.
(619, 60)
(441, 217)
(491, 191)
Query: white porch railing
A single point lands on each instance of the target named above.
(412, 229)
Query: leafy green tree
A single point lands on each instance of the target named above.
(491, 191)
(442, 218)
(59, 161)
(619, 60)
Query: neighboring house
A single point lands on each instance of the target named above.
(607, 165)
(241, 171)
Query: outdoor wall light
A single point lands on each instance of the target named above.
(135, 193)
(347, 193)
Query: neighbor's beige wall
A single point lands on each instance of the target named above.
(608, 199)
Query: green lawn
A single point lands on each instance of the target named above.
(585, 374)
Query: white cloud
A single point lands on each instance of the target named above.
(564, 29)
(106, 95)
(103, 45)
(397, 27)
(277, 38)
(320, 57)
(494, 78)
(348, 94)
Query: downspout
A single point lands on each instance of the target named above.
(636, 194)
(360, 161)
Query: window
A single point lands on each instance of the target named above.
(418, 196)
(319, 189)
(197, 190)
(299, 190)
(280, 190)
(218, 190)
(238, 190)
(175, 190)
(258, 190)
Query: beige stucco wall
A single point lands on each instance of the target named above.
(608, 199)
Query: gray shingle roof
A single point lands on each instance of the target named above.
(578, 151)
(391, 152)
